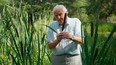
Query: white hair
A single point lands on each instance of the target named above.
(60, 7)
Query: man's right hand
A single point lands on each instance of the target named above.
(59, 37)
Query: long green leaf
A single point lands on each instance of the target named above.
(50, 28)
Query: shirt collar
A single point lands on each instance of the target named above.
(68, 21)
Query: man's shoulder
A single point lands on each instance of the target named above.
(53, 23)
(76, 20)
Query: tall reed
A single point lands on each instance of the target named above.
(23, 36)
(96, 52)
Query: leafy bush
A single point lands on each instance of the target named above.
(105, 27)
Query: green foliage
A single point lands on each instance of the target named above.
(104, 8)
(105, 28)
(21, 42)
(97, 52)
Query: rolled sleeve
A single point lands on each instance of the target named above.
(78, 28)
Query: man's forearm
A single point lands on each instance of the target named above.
(53, 44)
(77, 39)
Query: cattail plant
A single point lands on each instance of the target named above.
(96, 52)
(23, 44)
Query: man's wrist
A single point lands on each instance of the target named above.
(58, 40)
(72, 38)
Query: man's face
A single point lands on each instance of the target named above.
(59, 15)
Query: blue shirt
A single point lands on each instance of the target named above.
(66, 46)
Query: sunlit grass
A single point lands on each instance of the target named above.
(23, 38)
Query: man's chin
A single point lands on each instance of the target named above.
(60, 22)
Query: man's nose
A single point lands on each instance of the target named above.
(58, 17)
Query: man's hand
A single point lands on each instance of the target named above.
(64, 35)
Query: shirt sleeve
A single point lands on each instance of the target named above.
(50, 34)
(77, 27)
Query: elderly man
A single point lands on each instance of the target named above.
(66, 42)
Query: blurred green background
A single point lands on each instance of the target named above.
(23, 30)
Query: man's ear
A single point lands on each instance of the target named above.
(66, 13)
